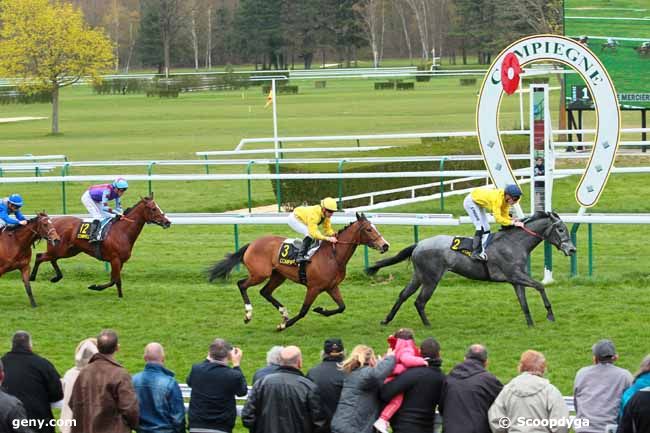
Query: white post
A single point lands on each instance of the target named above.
(521, 105)
(549, 168)
(275, 121)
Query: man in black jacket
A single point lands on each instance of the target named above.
(469, 393)
(12, 412)
(286, 401)
(636, 417)
(422, 389)
(33, 380)
(214, 386)
(327, 375)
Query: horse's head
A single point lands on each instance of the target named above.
(153, 214)
(44, 228)
(557, 233)
(369, 235)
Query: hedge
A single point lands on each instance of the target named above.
(14, 96)
(298, 192)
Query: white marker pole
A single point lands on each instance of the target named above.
(275, 121)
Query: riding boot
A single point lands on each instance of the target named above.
(480, 239)
(306, 245)
(94, 229)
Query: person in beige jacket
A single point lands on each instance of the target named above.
(529, 403)
(85, 350)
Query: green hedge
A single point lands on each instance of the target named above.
(11, 95)
(298, 192)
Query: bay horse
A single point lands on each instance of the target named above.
(115, 249)
(324, 273)
(16, 247)
(507, 258)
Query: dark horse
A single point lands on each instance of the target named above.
(116, 248)
(16, 247)
(507, 257)
(324, 273)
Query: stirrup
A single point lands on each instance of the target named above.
(480, 256)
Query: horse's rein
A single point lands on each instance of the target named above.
(532, 233)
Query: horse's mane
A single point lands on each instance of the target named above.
(362, 217)
(129, 209)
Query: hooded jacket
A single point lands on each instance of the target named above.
(469, 392)
(528, 403)
(85, 351)
(641, 381)
(359, 405)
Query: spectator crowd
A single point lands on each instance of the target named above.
(359, 392)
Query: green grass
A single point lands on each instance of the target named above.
(167, 298)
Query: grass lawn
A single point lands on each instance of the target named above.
(167, 298)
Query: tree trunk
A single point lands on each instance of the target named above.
(400, 10)
(195, 40)
(55, 109)
(208, 45)
(418, 8)
(116, 33)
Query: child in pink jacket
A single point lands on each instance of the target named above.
(407, 355)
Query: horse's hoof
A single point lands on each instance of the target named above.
(318, 310)
(32, 278)
(551, 318)
(281, 327)
(93, 287)
(54, 279)
(384, 322)
(247, 320)
(427, 324)
(33, 304)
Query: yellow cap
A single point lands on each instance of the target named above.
(329, 203)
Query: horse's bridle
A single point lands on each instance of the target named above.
(359, 243)
(47, 235)
(546, 231)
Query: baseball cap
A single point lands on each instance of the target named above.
(604, 349)
(333, 345)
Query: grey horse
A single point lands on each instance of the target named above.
(507, 257)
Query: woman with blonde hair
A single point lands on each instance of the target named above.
(85, 350)
(360, 405)
(641, 380)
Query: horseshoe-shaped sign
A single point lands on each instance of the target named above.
(608, 119)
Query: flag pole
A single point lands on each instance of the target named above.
(275, 120)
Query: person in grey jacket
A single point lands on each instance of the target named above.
(529, 403)
(359, 405)
(12, 412)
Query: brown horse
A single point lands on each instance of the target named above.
(16, 247)
(116, 248)
(324, 273)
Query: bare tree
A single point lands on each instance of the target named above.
(194, 6)
(169, 23)
(372, 15)
(399, 7)
(543, 16)
(208, 44)
(420, 11)
(134, 24)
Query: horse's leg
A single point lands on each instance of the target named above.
(520, 290)
(56, 268)
(525, 280)
(28, 287)
(267, 292)
(335, 293)
(116, 269)
(243, 285)
(310, 297)
(406, 293)
(429, 284)
(45, 257)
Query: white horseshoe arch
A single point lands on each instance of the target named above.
(584, 62)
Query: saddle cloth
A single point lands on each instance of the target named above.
(84, 228)
(464, 245)
(290, 248)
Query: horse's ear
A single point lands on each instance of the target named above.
(151, 195)
(360, 216)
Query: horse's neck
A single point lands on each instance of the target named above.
(539, 226)
(133, 228)
(344, 250)
(26, 234)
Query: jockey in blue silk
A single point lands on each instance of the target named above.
(96, 199)
(11, 205)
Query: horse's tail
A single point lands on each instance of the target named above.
(222, 268)
(399, 257)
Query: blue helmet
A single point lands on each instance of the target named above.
(513, 191)
(120, 183)
(16, 200)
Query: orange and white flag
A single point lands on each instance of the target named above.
(269, 98)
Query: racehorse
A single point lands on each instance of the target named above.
(16, 247)
(324, 273)
(116, 248)
(507, 257)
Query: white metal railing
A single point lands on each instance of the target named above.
(357, 137)
(294, 150)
